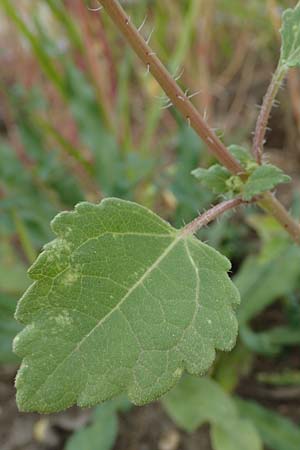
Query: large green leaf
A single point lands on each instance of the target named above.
(290, 31)
(121, 302)
(195, 401)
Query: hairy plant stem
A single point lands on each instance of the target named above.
(211, 214)
(180, 100)
(264, 115)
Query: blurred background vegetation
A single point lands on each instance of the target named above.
(80, 119)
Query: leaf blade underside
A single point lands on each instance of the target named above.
(122, 302)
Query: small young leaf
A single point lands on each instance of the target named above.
(240, 434)
(234, 185)
(241, 154)
(264, 178)
(214, 178)
(102, 432)
(122, 302)
(276, 431)
(100, 435)
(290, 31)
(195, 401)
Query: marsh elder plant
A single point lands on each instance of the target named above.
(122, 302)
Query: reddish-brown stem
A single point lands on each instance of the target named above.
(264, 115)
(211, 215)
(190, 113)
(169, 85)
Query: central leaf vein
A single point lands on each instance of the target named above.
(117, 307)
